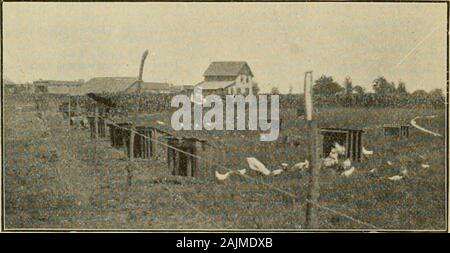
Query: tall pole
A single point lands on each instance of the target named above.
(69, 109)
(140, 80)
(313, 155)
(95, 120)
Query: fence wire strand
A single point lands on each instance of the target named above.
(186, 202)
(289, 194)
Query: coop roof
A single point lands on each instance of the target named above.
(166, 128)
(394, 125)
(331, 129)
(228, 68)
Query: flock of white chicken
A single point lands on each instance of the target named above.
(331, 161)
(255, 165)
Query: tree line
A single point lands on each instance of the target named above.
(327, 91)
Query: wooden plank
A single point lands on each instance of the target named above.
(313, 156)
(95, 120)
(359, 146)
(132, 143)
(170, 164)
(189, 165)
(348, 144)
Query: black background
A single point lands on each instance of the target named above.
(291, 242)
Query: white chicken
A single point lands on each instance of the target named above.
(329, 162)
(277, 172)
(367, 152)
(84, 122)
(242, 172)
(348, 172)
(300, 165)
(339, 149)
(396, 178)
(160, 122)
(389, 162)
(284, 165)
(346, 164)
(256, 165)
(333, 154)
(404, 172)
(373, 170)
(222, 177)
(425, 166)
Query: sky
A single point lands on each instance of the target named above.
(280, 41)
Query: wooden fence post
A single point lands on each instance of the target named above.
(132, 142)
(313, 155)
(69, 109)
(95, 120)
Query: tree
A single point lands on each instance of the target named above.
(382, 87)
(436, 93)
(437, 97)
(274, 91)
(401, 88)
(255, 88)
(359, 90)
(348, 86)
(326, 86)
(419, 94)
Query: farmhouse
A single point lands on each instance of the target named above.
(56, 87)
(228, 77)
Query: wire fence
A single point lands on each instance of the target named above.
(293, 196)
(177, 196)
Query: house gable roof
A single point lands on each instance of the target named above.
(57, 83)
(106, 85)
(228, 68)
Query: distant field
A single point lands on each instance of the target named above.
(51, 180)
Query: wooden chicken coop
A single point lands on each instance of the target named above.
(144, 147)
(351, 139)
(117, 133)
(99, 126)
(178, 160)
(400, 131)
(145, 141)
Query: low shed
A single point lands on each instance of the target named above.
(183, 159)
(351, 139)
(401, 131)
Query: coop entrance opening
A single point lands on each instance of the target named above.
(351, 139)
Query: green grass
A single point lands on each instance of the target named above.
(70, 191)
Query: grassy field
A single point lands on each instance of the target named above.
(56, 178)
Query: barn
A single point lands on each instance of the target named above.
(56, 87)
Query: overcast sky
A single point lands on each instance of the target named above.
(67, 41)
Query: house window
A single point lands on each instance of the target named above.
(247, 91)
(232, 90)
(238, 91)
(246, 80)
(242, 79)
